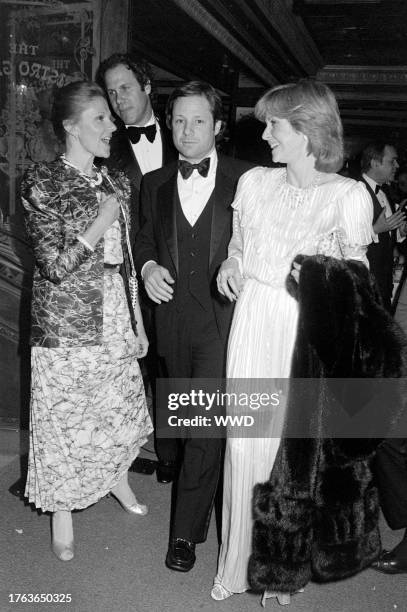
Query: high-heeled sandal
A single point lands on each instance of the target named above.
(284, 599)
(135, 509)
(64, 552)
(219, 593)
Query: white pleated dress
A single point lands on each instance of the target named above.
(273, 222)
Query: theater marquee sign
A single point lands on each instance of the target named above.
(44, 44)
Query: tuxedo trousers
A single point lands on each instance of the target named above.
(199, 353)
(391, 472)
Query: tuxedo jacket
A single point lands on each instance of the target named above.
(158, 241)
(380, 254)
(122, 157)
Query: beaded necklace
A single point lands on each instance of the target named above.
(93, 181)
(298, 195)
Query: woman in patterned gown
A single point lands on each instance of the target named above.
(88, 414)
(278, 213)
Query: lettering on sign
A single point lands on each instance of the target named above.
(22, 48)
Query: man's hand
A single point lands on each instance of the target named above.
(388, 224)
(229, 279)
(157, 282)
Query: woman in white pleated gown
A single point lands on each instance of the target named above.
(278, 213)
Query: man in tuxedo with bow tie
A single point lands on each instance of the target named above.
(379, 164)
(187, 225)
(139, 145)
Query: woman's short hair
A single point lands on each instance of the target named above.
(196, 88)
(70, 101)
(311, 108)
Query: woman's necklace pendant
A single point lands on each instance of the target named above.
(93, 181)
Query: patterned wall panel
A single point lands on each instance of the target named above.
(44, 44)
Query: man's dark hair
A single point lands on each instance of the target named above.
(196, 88)
(373, 151)
(140, 68)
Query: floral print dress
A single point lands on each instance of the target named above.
(88, 408)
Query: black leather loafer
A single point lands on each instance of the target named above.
(389, 563)
(180, 555)
(165, 471)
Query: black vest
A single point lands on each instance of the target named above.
(193, 258)
(380, 254)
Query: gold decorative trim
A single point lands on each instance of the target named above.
(364, 75)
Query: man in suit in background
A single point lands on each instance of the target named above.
(139, 145)
(391, 473)
(184, 239)
(379, 164)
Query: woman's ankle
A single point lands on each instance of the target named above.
(62, 527)
(123, 491)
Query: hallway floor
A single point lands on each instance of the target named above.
(119, 560)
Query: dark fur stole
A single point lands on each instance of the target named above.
(317, 516)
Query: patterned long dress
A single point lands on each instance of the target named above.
(88, 414)
(273, 222)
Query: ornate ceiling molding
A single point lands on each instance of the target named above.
(333, 2)
(196, 11)
(374, 122)
(363, 75)
(291, 28)
(372, 96)
(261, 38)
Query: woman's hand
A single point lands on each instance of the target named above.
(142, 341)
(230, 280)
(109, 209)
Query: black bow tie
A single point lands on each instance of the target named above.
(186, 168)
(134, 133)
(377, 189)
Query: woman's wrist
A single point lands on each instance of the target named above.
(95, 231)
(85, 243)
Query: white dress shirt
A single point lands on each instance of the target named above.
(380, 195)
(195, 191)
(149, 155)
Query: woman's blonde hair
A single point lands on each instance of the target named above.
(311, 108)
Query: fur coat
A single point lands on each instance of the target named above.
(317, 516)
